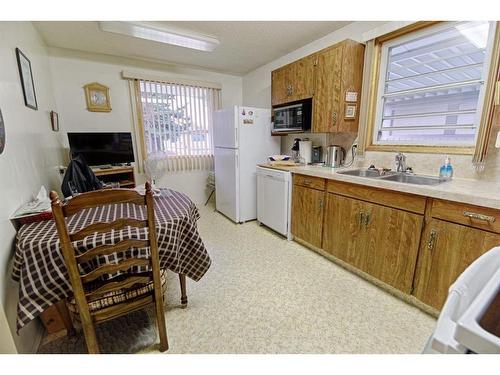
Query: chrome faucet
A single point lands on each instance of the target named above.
(400, 162)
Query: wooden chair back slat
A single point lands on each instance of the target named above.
(119, 247)
(118, 224)
(101, 198)
(117, 285)
(124, 265)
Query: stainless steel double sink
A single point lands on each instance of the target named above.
(405, 178)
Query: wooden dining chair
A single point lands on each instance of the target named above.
(99, 300)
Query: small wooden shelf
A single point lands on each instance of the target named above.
(124, 175)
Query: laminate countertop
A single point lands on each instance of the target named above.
(475, 192)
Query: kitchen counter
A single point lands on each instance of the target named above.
(475, 192)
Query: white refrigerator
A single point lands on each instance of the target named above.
(242, 139)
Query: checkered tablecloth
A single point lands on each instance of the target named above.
(39, 264)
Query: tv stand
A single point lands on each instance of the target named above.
(124, 175)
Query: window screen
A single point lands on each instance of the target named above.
(431, 84)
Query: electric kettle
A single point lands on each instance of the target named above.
(335, 156)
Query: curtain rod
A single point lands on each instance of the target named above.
(165, 79)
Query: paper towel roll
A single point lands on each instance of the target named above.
(305, 150)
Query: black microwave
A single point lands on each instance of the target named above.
(292, 117)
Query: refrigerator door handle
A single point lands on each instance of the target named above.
(236, 137)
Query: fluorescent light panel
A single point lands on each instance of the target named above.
(167, 35)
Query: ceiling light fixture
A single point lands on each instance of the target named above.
(157, 33)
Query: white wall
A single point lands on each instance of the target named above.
(29, 160)
(71, 70)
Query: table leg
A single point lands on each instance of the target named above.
(184, 298)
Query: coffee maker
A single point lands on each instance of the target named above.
(317, 154)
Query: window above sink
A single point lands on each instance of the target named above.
(433, 87)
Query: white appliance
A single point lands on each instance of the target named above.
(458, 329)
(242, 139)
(274, 203)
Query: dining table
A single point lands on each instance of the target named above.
(39, 266)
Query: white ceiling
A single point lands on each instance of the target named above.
(244, 45)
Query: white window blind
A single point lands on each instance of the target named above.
(177, 123)
(431, 84)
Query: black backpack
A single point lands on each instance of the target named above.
(79, 178)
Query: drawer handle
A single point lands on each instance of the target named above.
(307, 182)
(473, 215)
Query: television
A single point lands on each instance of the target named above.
(102, 148)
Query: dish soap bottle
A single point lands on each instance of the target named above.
(446, 170)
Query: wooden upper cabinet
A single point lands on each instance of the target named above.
(293, 82)
(279, 81)
(307, 214)
(325, 76)
(339, 71)
(326, 103)
(302, 78)
(446, 250)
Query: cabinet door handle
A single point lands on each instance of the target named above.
(320, 205)
(432, 239)
(334, 117)
(367, 219)
(361, 218)
(473, 215)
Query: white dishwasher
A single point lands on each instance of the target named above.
(274, 199)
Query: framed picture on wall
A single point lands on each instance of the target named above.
(97, 97)
(27, 83)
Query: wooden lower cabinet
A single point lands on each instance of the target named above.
(384, 234)
(307, 214)
(446, 250)
(344, 236)
(393, 241)
(378, 240)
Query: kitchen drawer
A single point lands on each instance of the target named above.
(317, 183)
(394, 199)
(472, 216)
